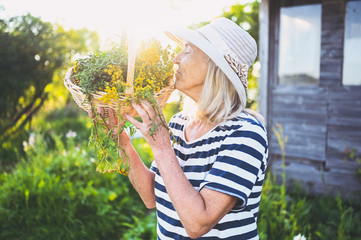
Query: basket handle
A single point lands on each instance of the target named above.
(131, 66)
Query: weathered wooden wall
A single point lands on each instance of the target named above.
(320, 121)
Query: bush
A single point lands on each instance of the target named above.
(284, 215)
(57, 194)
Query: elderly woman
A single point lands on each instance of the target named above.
(208, 184)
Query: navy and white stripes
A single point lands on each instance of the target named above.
(231, 158)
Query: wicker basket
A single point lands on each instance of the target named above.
(79, 97)
(120, 105)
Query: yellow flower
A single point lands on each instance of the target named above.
(111, 94)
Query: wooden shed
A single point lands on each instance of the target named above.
(310, 84)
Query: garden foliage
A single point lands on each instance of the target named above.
(32, 53)
(57, 194)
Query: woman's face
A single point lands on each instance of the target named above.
(192, 70)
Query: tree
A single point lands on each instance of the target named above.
(31, 51)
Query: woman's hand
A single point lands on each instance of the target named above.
(139, 174)
(153, 127)
(114, 125)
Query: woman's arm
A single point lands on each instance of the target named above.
(140, 176)
(200, 211)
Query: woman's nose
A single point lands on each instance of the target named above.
(176, 59)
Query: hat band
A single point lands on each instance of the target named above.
(239, 68)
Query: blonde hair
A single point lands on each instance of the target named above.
(219, 100)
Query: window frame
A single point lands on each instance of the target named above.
(296, 3)
(343, 47)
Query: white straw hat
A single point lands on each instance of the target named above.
(230, 47)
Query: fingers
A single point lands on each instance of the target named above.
(113, 120)
(149, 109)
(150, 117)
(143, 110)
(135, 122)
(101, 111)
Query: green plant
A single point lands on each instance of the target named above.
(293, 214)
(352, 156)
(56, 194)
(315, 217)
(142, 228)
(32, 57)
(105, 73)
(282, 141)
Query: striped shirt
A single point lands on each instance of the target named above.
(231, 158)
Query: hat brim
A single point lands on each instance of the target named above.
(180, 36)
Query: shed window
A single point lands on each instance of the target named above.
(300, 45)
(352, 44)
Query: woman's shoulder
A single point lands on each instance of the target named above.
(180, 116)
(245, 121)
(243, 124)
(240, 129)
(178, 119)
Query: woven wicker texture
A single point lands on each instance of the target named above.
(79, 97)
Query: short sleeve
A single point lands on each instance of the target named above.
(154, 168)
(237, 165)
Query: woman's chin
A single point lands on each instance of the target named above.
(176, 85)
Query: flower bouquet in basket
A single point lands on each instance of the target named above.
(112, 80)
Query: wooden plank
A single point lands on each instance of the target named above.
(304, 140)
(296, 110)
(300, 118)
(345, 92)
(332, 66)
(341, 166)
(344, 131)
(344, 111)
(317, 181)
(310, 91)
(344, 121)
(341, 137)
(311, 141)
(331, 1)
(320, 121)
(306, 150)
(332, 36)
(332, 43)
(300, 100)
(345, 107)
(337, 146)
(272, 64)
(263, 58)
(289, 3)
(331, 51)
(346, 102)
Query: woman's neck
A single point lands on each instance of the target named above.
(195, 129)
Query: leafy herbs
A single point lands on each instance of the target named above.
(104, 74)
